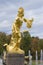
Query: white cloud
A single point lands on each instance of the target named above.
(33, 8)
(40, 35)
(4, 23)
(2, 14)
(37, 14)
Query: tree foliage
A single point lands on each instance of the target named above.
(26, 40)
(35, 46)
(41, 43)
(3, 39)
(27, 43)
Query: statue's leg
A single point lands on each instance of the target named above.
(18, 39)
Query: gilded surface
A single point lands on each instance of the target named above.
(14, 46)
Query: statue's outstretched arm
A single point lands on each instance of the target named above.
(28, 22)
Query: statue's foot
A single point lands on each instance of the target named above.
(18, 50)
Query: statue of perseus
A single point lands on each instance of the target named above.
(14, 46)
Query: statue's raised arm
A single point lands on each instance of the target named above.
(28, 22)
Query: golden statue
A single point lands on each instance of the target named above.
(14, 46)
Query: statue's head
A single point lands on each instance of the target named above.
(20, 12)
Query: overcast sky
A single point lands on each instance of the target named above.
(33, 9)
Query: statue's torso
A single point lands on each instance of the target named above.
(19, 22)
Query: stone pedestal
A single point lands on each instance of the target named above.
(15, 59)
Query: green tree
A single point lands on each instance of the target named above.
(35, 46)
(2, 38)
(41, 43)
(8, 38)
(25, 42)
(2, 41)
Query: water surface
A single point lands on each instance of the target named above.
(1, 61)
